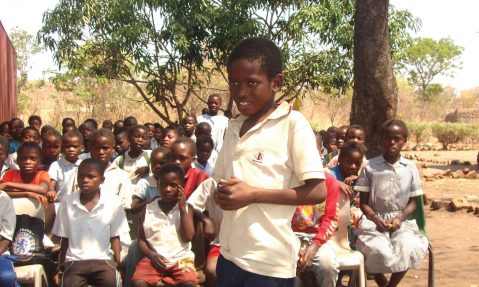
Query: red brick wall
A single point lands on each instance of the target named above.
(8, 77)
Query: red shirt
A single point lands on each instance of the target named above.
(193, 178)
(14, 175)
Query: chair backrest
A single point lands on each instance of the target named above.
(419, 215)
(29, 207)
(340, 237)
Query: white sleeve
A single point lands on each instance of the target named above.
(125, 191)
(7, 216)
(61, 227)
(119, 224)
(199, 197)
(53, 170)
(141, 189)
(364, 180)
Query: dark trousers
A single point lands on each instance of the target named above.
(99, 273)
(229, 274)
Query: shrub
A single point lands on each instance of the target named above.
(449, 133)
(419, 131)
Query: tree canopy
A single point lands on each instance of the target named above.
(169, 49)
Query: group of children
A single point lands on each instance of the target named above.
(254, 187)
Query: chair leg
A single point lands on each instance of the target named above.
(430, 275)
(353, 279)
(362, 274)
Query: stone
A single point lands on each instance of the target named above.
(457, 174)
(476, 211)
(458, 204)
(472, 175)
(455, 162)
(466, 170)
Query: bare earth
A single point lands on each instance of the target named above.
(454, 236)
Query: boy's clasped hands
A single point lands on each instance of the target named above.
(387, 225)
(233, 194)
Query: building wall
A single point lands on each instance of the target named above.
(8, 77)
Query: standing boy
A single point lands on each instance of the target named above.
(267, 167)
(218, 123)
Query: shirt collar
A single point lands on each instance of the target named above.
(156, 206)
(76, 201)
(64, 161)
(401, 160)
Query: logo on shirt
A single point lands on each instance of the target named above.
(258, 157)
(24, 244)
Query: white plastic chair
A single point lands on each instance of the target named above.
(30, 273)
(348, 259)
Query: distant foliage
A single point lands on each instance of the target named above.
(419, 131)
(450, 133)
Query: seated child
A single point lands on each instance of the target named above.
(355, 133)
(150, 131)
(8, 278)
(146, 189)
(89, 223)
(62, 172)
(4, 131)
(157, 136)
(315, 225)
(330, 144)
(189, 124)
(389, 186)
(35, 122)
(51, 146)
(183, 151)
(135, 161)
(122, 144)
(204, 160)
(15, 127)
(86, 129)
(67, 125)
(29, 181)
(28, 134)
(170, 135)
(166, 228)
(3, 155)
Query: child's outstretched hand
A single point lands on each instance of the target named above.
(350, 180)
(57, 279)
(142, 171)
(233, 194)
(346, 189)
(181, 197)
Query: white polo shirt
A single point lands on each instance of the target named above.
(278, 153)
(7, 217)
(63, 172)
(130, 165)
(117, 182)
(219, 124)
(89, 233)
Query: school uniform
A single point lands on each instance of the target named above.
(130, 165)
(276, 154)
(219, 124)
(146, 188)
(89, 256)
(208, 168)
(390, 186)
(162, 233)
(63, 172)
(193, 178)
(11, 161)
(8, 277)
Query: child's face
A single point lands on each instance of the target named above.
(150, 131)
(87, 130)
(4, 131)
(3, 154)
(52, 147)
(89, 179)
(393, 141)
(202, 130)
(158, 134)
(30, 136)
(67, 129)
(168, 186)
(122, 143)
(355, 135)
(214, 104)
(28, 160)
(350, 164)
(204, 152)
(250, 87)
(102, 148)
(331, 146)
(138, 138)
(169, 137)
(129, 123)
(340, 138)
(183, 155)
(71, 148)
(158, 159)
(35, 123)
(15, 129)
(107, 125)
(189, 124)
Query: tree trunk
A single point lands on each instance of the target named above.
(375, 89)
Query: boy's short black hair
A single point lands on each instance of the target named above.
(73, 134)
(177, 129)
(25, 130)
(204, 139)
(163, 150)
(329, 138)
(94, 163)
(14, 120)
(262, 49)
(92, 122)
(188, 142)
(33, 118)
(203, 125)
(351, 147)
(46, 128)
(394, 122)
(215, 96)
(354, 127)
(190, 116)
(137, 127)
(103, 133)
(332, 130)
(30, 146)
(174, 168)
(65, 120)
(51, 132)
(4, 141)
(158, 126)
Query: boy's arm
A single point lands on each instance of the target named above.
(137, 204)
(41, 188)
(38, 197)
(187, 228)
(329, 221)
(116, 248)
(233, 194)
(4, 243)
(157, 260)
(61, 261)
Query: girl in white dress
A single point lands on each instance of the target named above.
(389, 186)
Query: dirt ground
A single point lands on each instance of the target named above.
(454, 236)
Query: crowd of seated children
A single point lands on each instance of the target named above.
(15, 127)
(51, 146)
(35, 121)
(28, 134)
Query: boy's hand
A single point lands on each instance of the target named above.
(209, 231)
(346, 189)
(159, 262)
(381, 225)
(350, 180)
(181, 197)
(233, 194)
(395, 224)
(38, 197)
(306, 260)
(3, 186)
(57, 279)
(51, 196)
(142, 171)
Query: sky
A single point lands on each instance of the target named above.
(440, 18)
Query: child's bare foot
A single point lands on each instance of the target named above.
(381, 280)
